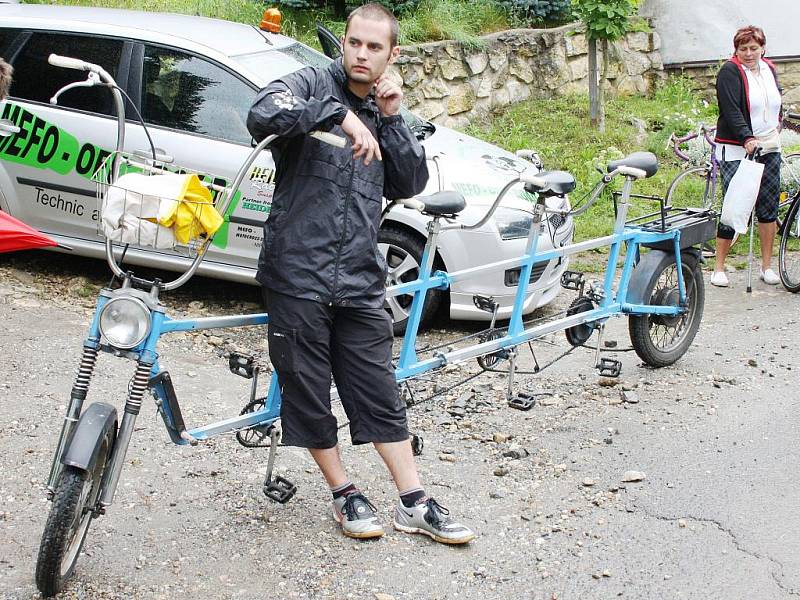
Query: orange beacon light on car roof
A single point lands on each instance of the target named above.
(271, 21)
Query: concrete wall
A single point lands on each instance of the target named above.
(451, 84)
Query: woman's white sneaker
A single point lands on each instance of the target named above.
(770, 277)
(719, 279)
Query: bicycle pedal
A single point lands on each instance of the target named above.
(572, 280)
(243, 365)
(417, 444)
(522, 401)
(609, 367)
(279, 489)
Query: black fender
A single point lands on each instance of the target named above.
(649, 267)
(93, 426)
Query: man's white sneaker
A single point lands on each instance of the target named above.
(719, 279)
(357, 516)
(770, 277)
(433, 520)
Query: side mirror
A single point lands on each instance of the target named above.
(329, 42)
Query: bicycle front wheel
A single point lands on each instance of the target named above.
(789, 250)
(694, 188)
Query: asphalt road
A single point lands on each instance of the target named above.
(715, 436)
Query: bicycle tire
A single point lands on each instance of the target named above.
(660, 340)
(673, 195)
(69, 520)
(789, 248)
(790, 185)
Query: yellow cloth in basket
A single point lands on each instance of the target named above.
(191, 214)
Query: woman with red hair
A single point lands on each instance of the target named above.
(749, 99)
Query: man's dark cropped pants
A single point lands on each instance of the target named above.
(310, 341)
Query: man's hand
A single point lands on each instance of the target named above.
(364, 144)
(751, 145)
(388, 96)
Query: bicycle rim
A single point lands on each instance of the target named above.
(789, 251)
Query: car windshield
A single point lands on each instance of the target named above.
(279, 62)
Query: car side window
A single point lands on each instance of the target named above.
(37, 80)
(188, 93)
(6, 36)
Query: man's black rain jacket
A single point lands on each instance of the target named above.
(321, 236)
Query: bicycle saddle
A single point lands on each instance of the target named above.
(556, 183)
(443, 203)
(646, 161)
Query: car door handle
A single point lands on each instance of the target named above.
(7, 128)
(161, 155)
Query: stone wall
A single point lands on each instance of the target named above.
(788, 75)
(452, 84)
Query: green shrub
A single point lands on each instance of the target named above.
(531, 11)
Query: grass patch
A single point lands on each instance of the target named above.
(433, 20)
(559, 130)
(244, 11)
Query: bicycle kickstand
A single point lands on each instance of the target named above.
(278, 489)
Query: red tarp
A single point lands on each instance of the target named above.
(15, 235)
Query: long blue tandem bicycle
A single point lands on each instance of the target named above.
(660, 290)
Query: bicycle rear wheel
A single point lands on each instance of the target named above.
(789, 250)
(693, 188)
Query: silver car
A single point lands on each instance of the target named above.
(193, 79)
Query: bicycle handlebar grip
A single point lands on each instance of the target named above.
(793, 115)
(69, 63)
(329, 138)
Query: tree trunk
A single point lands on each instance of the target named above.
(601, 99)
(593, 95)
(339, 8)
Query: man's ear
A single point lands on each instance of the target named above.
(394, 54)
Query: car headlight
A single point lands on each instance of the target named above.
(125, 322)
(512, 223)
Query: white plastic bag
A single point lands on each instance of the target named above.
(741, 196)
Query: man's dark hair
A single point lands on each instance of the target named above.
(376, 12)
(6, 70)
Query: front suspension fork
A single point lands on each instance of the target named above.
(78, 394)
(133, 405)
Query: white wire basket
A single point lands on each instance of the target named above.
(157, 205)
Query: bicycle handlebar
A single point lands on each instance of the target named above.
(676, 141)
(67, 62)
(793, 115)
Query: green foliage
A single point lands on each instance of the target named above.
(605, 19)
(340, 7)
(530, 11)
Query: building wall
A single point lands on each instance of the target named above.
(788, 76)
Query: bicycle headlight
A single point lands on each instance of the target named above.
(125, 322)
(512, 223)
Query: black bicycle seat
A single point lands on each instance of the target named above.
(646, 161)
(557, 183)
(448, 202)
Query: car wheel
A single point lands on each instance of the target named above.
(403, 252)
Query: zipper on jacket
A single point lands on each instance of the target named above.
(344, 231)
